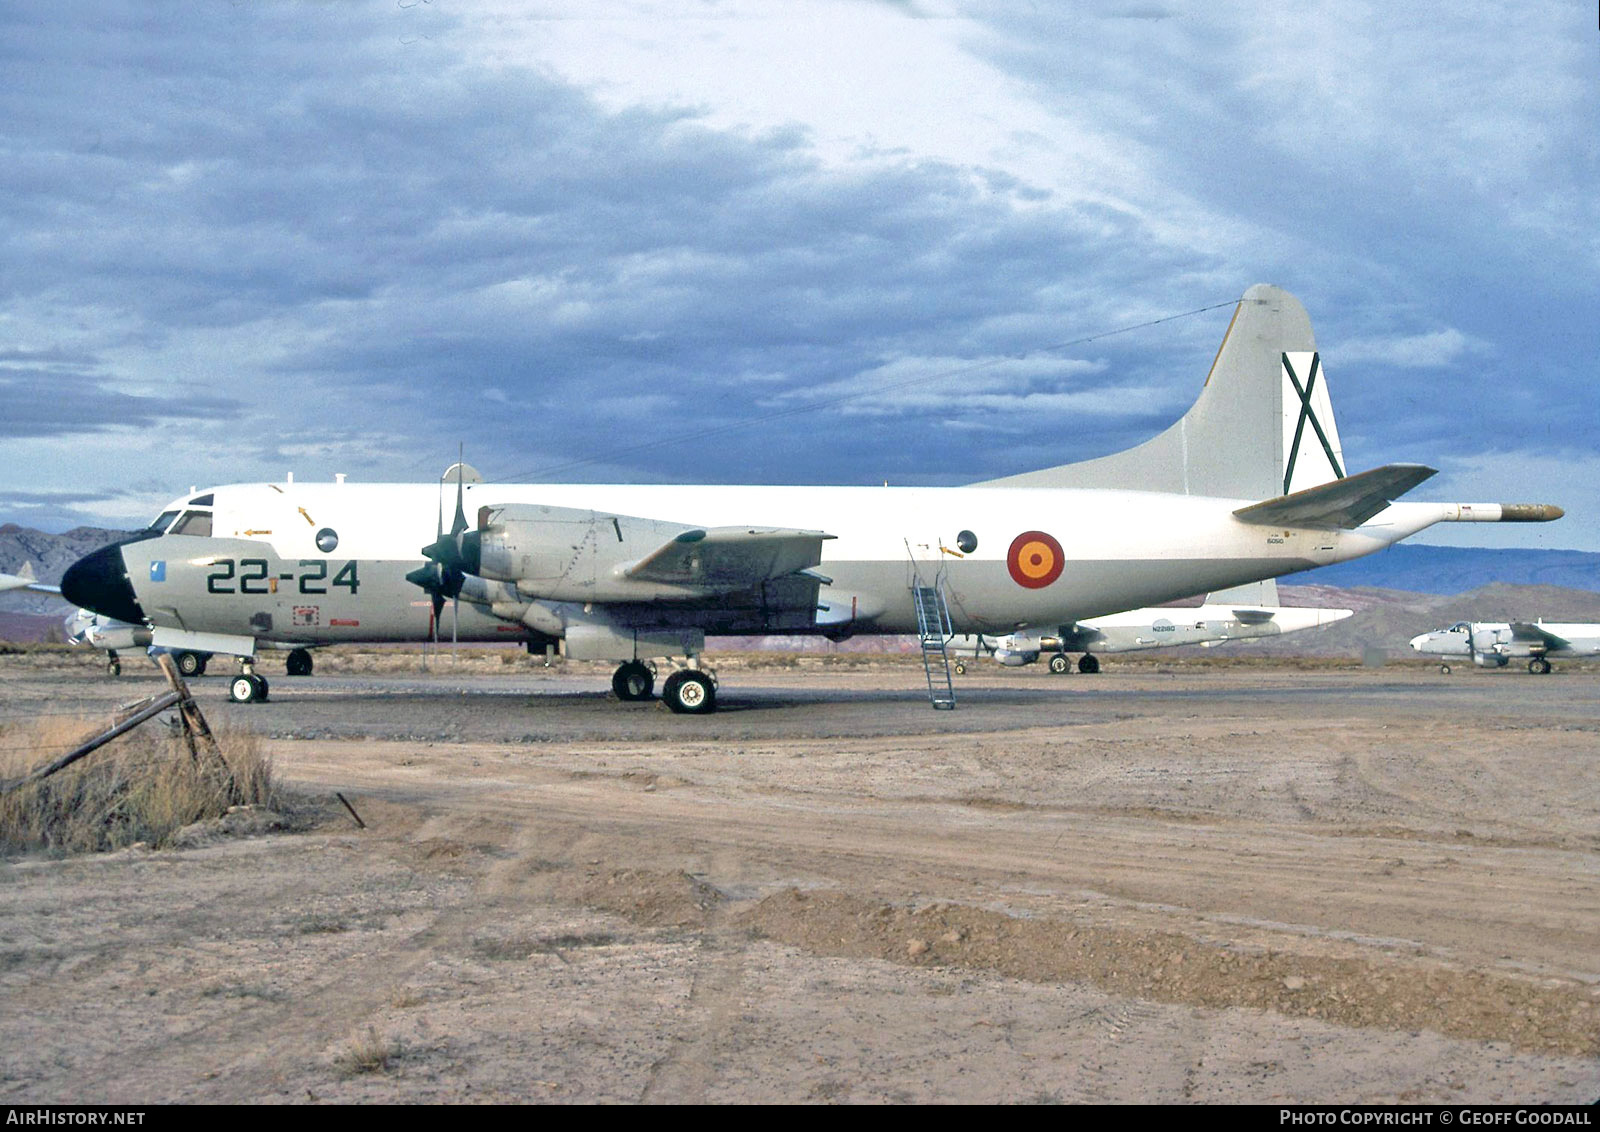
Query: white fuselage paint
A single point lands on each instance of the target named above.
(1121, 549)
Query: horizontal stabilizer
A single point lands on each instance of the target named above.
(1343, 503)
(733, 557)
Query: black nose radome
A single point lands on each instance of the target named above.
(99, 582)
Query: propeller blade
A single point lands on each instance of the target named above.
(460, 523)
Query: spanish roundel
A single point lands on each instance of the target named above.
(1035, 560)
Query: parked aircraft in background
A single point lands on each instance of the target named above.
(97, 630)
(1494, 644)
(1249, 484)
(1245, 613)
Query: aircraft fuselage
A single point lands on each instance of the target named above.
(311, 564)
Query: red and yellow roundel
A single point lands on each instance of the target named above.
(1035, 560)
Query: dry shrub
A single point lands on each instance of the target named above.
(368, 1053)
(143, 786)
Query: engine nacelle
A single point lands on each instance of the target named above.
(1489, 640)
(567, 554)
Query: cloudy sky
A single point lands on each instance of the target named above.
(780, 241)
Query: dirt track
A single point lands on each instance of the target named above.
(1161, 883)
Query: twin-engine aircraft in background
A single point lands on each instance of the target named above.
(1249, 484)
(1246, 613)
(1494, 644)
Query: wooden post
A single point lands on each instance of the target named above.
(194, 723)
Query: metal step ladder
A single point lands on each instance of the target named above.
(933, 626)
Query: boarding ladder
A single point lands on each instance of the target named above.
(934, 629)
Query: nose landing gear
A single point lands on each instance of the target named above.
(247, 687)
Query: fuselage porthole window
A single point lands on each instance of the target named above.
(966, 542)
(327, 540)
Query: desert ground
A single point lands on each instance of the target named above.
(1175, 881)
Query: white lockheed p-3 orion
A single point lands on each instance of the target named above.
(1249, 484)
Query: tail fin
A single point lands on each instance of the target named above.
(1261, 427)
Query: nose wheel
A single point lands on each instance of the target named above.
(247, 687)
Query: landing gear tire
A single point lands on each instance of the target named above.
(247, 689)
(113, 667)
(1088, 664)
(1539, 666)
(633, 681)
(961, 668)
(1444, 670)
(190, 664)
(690, 692)
(1060, 665)
(298, 663)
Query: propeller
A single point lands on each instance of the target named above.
(450, 559)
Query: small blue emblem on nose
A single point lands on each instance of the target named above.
(158, 571)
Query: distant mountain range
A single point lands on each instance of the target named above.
(1457, 569)
(49, 556)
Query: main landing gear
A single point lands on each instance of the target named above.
(190, 664)
(247, 687)
(1539, 666)
(633, 681)
(298, 662)
(690, 691)
(1060, 664)
(687, 691)
(1088, 664)
(113, 663)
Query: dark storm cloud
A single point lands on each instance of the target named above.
(458, 251)
(59, 399)
(335, 235)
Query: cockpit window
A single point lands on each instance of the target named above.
(202, 500)
(1459, 627)
(196, 523)
(159, 523)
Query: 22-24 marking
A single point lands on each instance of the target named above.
(252, 575)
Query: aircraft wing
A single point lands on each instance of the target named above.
(729, 557)
(1343, 503)
(1527, 633)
